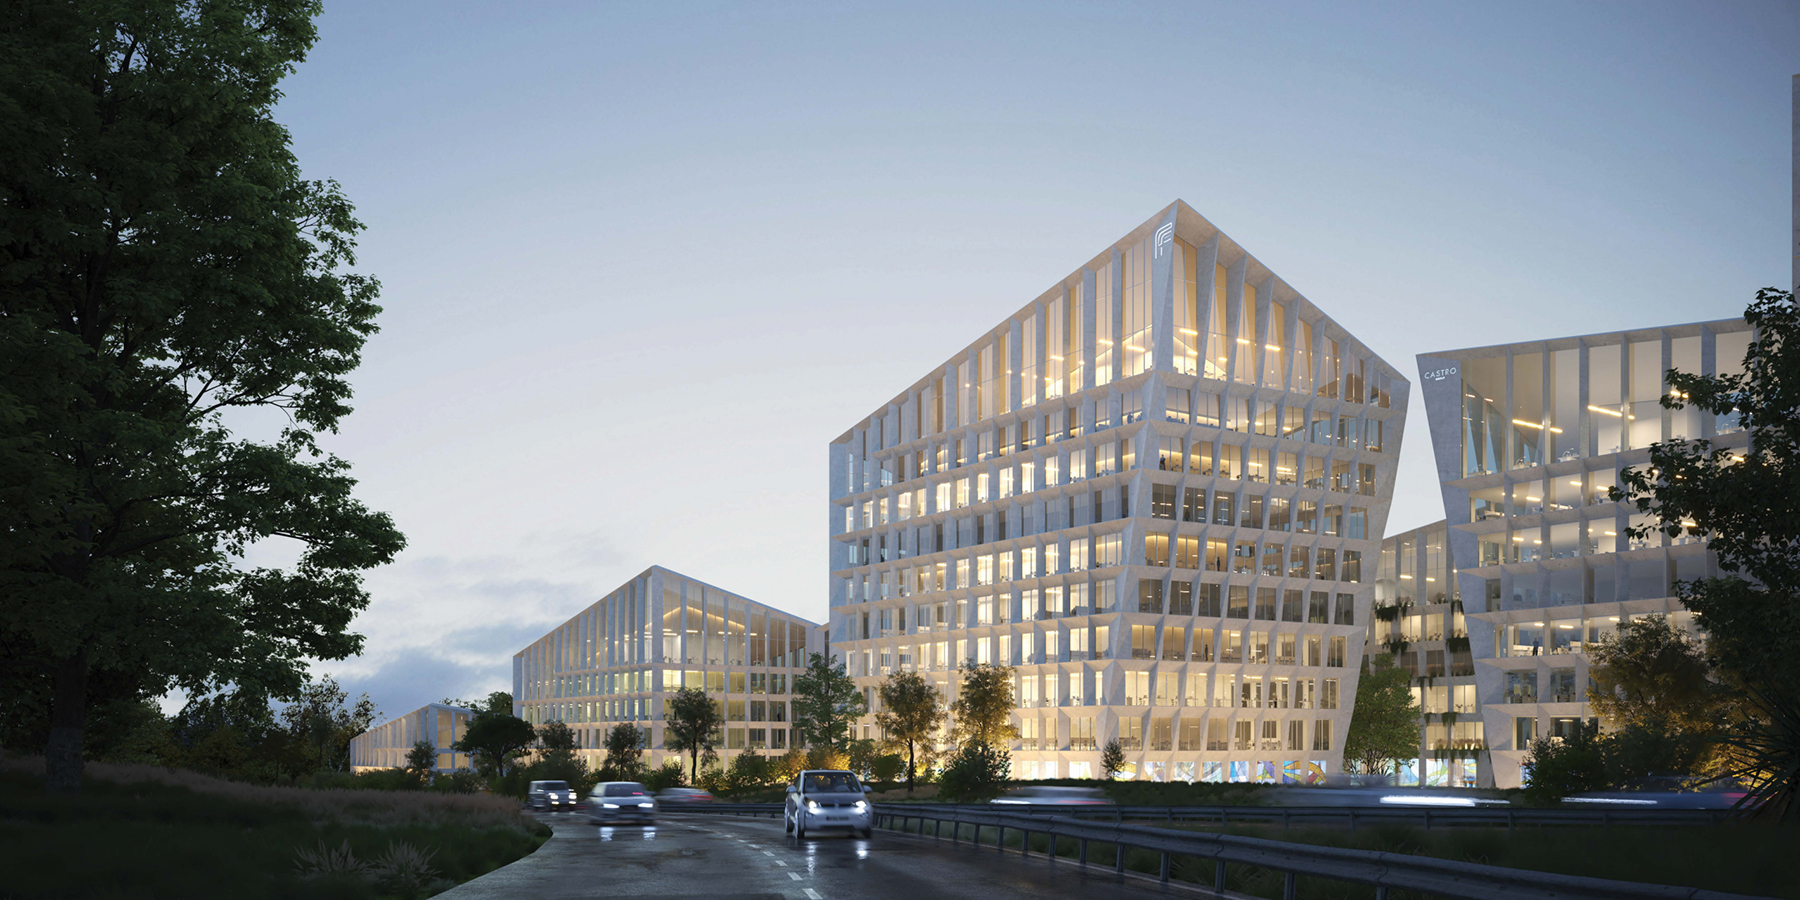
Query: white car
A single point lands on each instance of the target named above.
(828, 798)
(618, 801)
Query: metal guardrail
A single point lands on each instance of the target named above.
(1352, 817)
(1381, 870)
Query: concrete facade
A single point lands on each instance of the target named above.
(1528, 439)
(1156, 490)
(618, 659)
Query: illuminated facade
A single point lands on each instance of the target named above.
(1157, 490)
(1418, 617)
(1529, 438)
(385, 746)
(618, 659)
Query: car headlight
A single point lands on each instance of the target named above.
(812, 806)
(859, 805)
(645, 805)
(610, 805)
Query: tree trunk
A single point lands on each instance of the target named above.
(910, 768)
(68, 713)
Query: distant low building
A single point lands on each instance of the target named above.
(619, 659)
(385, 746)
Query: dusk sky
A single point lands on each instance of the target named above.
(641, 264)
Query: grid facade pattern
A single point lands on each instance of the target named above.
(1153, 491)
(1418, 617)
(1529, 438)
(617, 660)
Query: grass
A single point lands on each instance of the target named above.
(1742, 859)
(146, 832)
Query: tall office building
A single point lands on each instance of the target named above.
(1418, 618)
(385, 746)
(1156, 490)
(1528, 438)
(619, 659)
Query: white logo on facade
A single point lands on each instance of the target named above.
(1440, 374)
(1164, 235)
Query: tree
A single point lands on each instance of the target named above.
(1743, 505)
(1112, 759)
(691, 722)
(556, 759)
(495, 742)
(319, 719)
(1384, 727)
(421, 760)
(163, 264)
(911, 710)
(984, 704)
(826, 702)
(1652, 672)
(498, 703)
(1557, 767)
(624, 745)
(977, 771)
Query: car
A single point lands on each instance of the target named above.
(619, 801)
(1664, 792)
(677, 796)
(551, 795)
(1050, 795)
(827, 798)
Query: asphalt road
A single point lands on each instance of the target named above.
(727, 858)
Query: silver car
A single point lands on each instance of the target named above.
(551, 795)
(621, 801)
(828, 798)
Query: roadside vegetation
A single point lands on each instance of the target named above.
(144, 831)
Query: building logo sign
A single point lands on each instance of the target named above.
(1164, 235)
(1440, 374)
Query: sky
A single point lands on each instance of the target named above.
(641, 263)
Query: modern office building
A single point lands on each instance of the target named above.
(385, 746)
(618, 659)
(1418, 618)
(1528, 438)
(1157, 489)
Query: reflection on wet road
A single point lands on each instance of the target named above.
(727, 858)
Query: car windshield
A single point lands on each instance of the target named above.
(831, 782)
(624, 789)
(553, 786)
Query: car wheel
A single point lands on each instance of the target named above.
(799, 827)
(787, 824)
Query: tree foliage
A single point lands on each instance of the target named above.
(911, 712)
(1112, 759)
(162, 265)
(691, 723)
(1384, 726)
(977, 771)
(495, 742)
(624, 746)
(1743, 505)
(826, 702)
(421, 760)
(982, 711)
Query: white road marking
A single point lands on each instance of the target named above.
(768, 852)
(815, 895)
(794, 875)
(780, 863)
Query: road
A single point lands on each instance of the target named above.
(727, 858)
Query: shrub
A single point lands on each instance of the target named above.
(672, 774)
(974, 773)
(887, 767)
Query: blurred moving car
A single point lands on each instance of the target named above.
(618, 801)
(827, 798)
(680, 796)
(1664, 792)
(1051, 795)
(551, 795)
